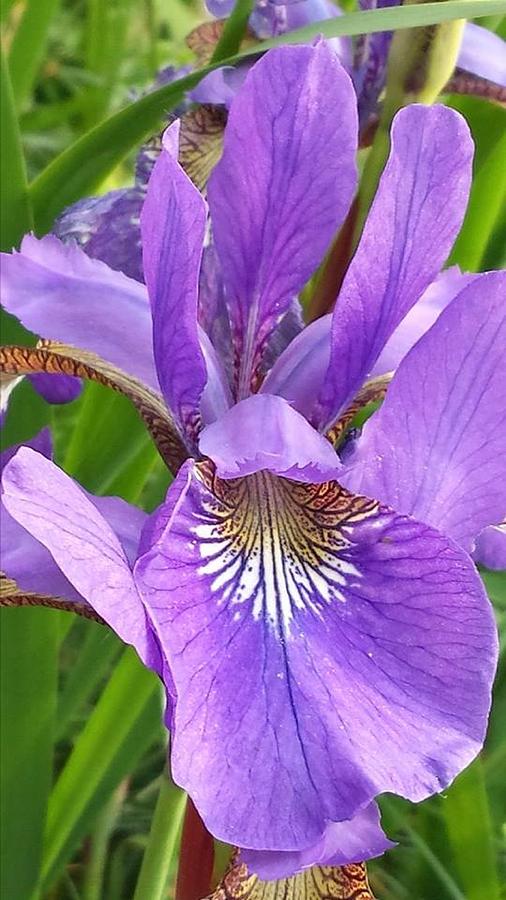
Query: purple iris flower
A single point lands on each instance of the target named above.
(482, 54)
(316, 617)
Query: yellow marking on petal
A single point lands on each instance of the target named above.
(278, 545)
(201, 142)
(317, 883)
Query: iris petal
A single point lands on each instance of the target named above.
(57, 513)
(285, 180)
(323, 650)
(436, 449)
(412, 224)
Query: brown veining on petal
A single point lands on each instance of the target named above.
(203, 39)
(12, 596)
(59, 359)
(372, 391)
(467, 83)
(317, 883)
(201, 141)
(280, 546)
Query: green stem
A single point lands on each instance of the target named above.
(94, 877)
(234, 30)
(467, 816)
(165, 829)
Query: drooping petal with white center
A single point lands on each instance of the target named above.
(281, 188)
(436, 449)
(323, 649)
(54, 510)
(413, 222)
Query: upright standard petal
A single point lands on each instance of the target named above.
(413, 222)
(437, 447)
(173, 222)
(263, 432)
(56, 512)
(58, 292)
(281, 188)
(323, 650)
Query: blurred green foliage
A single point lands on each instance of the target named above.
(83, 748)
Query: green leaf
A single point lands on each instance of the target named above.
(471, 834)
(488, 193)
(28, 45)
(15, 211)
(28, 701)
(106, 32)
(28, 636)
(125, 721)
(98, 650)
(233, 31)
(107, 436)
(81, 168)
(162, 841)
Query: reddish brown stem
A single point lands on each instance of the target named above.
(196, 858)
(334, 269)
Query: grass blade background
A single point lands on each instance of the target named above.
(106, 31)
(15, 210)
(81, 168)
(488, 193)
(28, 45)
(471, 834)
(29, 636)
(125, 721)
(28, 639)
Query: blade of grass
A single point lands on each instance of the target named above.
(15, 211)
(125, 721)
(162, 842)
(28, 639)
(444, 878)
(469, 825)
(107, 435)
(94, 872)
(81, 168)
(99, 649)
(234, 30)
(488, 193)
(28, 45)
(106, 33)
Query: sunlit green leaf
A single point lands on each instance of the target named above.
(28, 45)
(123, 724)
